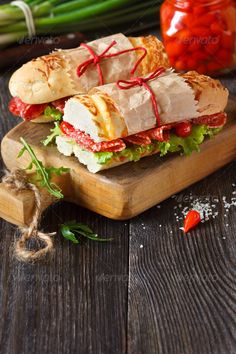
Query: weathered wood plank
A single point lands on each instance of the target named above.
(182, 287)
(74, 303)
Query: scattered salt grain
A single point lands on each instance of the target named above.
(141, 246)
(205, 208)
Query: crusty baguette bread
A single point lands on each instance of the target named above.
(156, 54)
(102, 118)
(53, 76)
(211, 95)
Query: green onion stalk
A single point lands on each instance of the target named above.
(60, 16)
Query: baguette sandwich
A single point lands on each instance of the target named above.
(41, 87)
(110, 126)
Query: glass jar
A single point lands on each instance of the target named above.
(199, 34)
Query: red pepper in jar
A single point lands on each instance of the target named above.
(199, 34)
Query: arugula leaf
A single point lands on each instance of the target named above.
(53, 113)
(43, 174)
(56, 171)
(56, 131)
(70, 228)
(69, 235)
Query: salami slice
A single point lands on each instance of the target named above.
(85, 141)
(145, 138)
(161, 134)
(60, 104)
(213, 121)
(24, 110)
(139, 139)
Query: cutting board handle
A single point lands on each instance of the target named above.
(18, 207)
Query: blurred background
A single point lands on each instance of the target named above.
(65, 24)
(198, 35)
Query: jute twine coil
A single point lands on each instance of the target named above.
(16, 180)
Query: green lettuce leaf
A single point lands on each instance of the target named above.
(53, 113)
(103, 157)
(175, 144)
(189, 144)
(133, 153)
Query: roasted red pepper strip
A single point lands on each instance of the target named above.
(191, 220)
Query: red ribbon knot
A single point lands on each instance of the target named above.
(95, 59)
(142, 81)
(139, 81)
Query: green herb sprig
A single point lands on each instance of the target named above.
(56, 131)
(71, 229)
(43, 174)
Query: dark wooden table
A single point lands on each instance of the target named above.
(152, 290)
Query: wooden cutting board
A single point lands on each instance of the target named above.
(119, 193)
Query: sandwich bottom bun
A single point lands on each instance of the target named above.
(68, 147)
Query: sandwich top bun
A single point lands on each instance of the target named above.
(53, 76)
(211, 95)
(107, 113)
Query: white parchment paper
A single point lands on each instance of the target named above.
(113, 69)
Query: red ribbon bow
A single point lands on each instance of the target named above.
(95, 59)
(142, 81)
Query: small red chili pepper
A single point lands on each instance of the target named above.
(191, 220)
